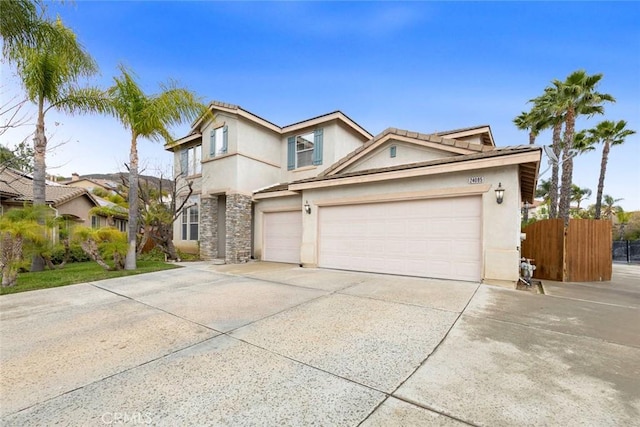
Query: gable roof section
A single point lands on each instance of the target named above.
(336, 115)
(195, 133)
(483, 130)
(526, 156)
(429, 140)
(17, 186)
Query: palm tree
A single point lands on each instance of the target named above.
(577, 96)
(609, 133)
(49, 72)
(609, 207)
(579, 194)
(542, 192)
(19, 24)
(531, 122)
(148, 116)
(550, 112)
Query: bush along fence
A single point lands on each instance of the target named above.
(626, 251)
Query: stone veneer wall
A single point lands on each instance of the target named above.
(238, 244)
(209, 227)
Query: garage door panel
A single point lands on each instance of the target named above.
(431, 238)
(282, 236)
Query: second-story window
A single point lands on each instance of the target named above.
(219, 141)
(191, 160)
(304, 149)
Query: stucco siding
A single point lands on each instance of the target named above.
(259, 143)
(404, 154)
(500, 222)
(337, 143)
(78, 207)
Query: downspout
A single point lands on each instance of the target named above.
(54, 236)
(53, 209)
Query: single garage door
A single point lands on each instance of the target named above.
(282, 236)
(429, 238)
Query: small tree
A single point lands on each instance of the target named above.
(20, 233)
(101, 243)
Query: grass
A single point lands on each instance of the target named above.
(78, 273)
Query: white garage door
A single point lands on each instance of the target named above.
(430, 238)
(282, 236)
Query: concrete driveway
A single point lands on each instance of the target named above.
(274, 344)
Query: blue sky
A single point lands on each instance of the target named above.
(422, 66)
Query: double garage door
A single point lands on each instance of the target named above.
(431, 238)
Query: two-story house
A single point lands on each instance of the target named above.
(237, 153)
(326, 193)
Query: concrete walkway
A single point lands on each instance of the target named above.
(275, 344)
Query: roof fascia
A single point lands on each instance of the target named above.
(469, 132)
(183, 140)
(496, 161)
(274, 194)
(336, 115)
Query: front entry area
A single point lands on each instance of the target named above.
(282, 236)
(438, 238)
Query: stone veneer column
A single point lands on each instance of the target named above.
(238, 244)
(208, 227)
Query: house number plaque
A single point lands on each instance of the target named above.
(476, 180)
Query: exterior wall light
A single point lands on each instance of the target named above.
(307, 207)
(499, 193)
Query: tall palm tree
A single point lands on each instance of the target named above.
(579, 194)
(609, 133)
(577, 96)
(49, 72)
(148, 116)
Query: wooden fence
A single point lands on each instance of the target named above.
(580, 252)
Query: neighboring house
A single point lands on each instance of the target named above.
(71, 203)
(89, 183)
(118, 218)
(16, 189)
(325, 193)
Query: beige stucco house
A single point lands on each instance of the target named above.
(74, 204)
(325, 193)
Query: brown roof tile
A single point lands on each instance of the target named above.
(19, 186)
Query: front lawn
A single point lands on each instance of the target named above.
(79, 272)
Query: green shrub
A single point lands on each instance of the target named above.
(188, 257)
(154, 254)
(76, 254)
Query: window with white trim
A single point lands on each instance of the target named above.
(304, 149)
(190, 219)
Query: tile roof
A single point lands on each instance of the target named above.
(416, 135)
(484, 154)
(18, 186)
(449, 132)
